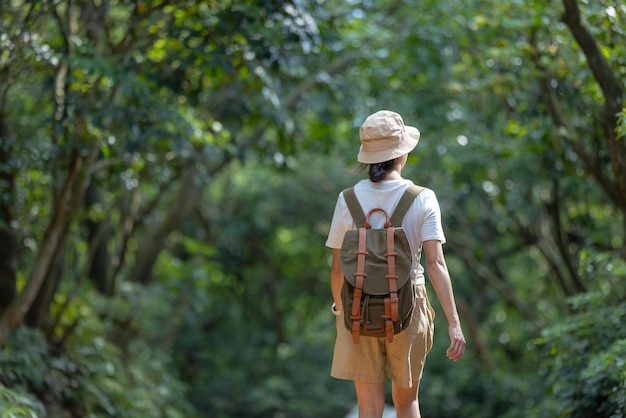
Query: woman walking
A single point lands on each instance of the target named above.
(385, 145)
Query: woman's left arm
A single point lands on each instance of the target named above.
(440, 278)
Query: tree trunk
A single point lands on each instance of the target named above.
(99, 269)
(182, 206)
(8, 241)
(39, 311)
(70, 196)
(15, 313)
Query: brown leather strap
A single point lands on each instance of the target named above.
(360, 274)
(392, 306)
(391, 276)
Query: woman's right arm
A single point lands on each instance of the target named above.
(336, 281)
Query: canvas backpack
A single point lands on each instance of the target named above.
(378, 292)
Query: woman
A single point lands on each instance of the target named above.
(385, 144)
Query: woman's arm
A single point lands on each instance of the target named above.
(336, 280)
(440, 278)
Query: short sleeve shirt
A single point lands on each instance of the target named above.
(422, 221)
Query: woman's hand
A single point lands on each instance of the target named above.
(457, 343)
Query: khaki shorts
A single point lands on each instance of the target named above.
(373, 360)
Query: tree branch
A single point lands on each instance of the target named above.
(613, 93)
(611, 87)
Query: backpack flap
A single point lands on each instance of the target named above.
(375, 261)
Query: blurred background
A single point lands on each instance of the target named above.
(169, 169)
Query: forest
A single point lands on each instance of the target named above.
(169, 169)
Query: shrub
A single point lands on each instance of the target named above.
(584, 359)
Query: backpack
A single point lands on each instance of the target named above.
(378, 292)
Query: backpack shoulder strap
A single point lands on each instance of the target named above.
(355, 207)
(404, 204)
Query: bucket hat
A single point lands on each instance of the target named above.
(384, 137)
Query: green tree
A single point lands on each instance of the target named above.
(145, 68)
(182, 158)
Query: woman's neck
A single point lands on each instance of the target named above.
(396, 172)
(393, 175)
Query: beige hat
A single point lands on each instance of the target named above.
(384, 137)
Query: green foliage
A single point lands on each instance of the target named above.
(238, 369)
(621, 130)
(585, 359)
(27, 362)
(102, 369)
(254, 305)
(257, 95)
(474, 391)
(479, 385)
(19, 404)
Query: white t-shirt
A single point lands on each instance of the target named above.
(422, 221)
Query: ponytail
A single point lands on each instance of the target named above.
(379, 171)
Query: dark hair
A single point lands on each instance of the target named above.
(379, 171)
